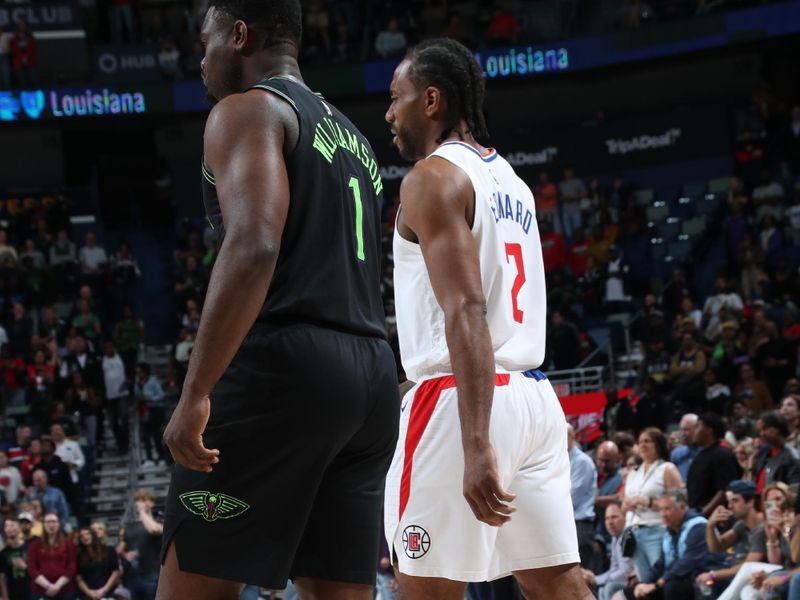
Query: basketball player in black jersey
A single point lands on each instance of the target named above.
(288, 417)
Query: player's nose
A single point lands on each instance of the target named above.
(389, 116)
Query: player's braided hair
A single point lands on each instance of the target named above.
(281, 20)
(450, 66)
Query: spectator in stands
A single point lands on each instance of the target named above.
(122, 21)
(69, 451)
(745, 538)
(578, 255)
(129, 337)
(643, 487)
(34, 254)
(191, 282)
(455, 29)
(140, 548)
(80, 360)
(150, 398)
(5, 58)
(776, 358)
(717, 394)
(753, 391)
(790, 410)
(87, 401)
(564, 340)
(30, 460)
(18, 450)
(724, 298)
(62, 254)
(316, 31)
(651, 408)
(8, 254)
(503, 28)
(93, 259)
(609, 491)
(124, 275)
(23, 55)
(51, 562)
(15, 583)
(615, 578)
(683, 554)
(554, 251)
(58, 474)
(86, 323)
(169, 59)
(683, 455)
(583, 475)
(572, 191)
(686, 374)
(116, 388)
(391, 42)
(20, 329)
(52, 498)
(713, 468)
(775, 460)
(752, 576)
(616, 295)
(97, 566)
(10, 479)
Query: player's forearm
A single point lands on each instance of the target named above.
(236, 292)
(472, 358)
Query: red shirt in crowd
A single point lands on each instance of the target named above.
(23, 51)
(554, 251)
(53, 563)
(503, 27)
(579, 258)
(763, 474)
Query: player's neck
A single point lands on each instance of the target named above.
(462, 134)
(272, 65)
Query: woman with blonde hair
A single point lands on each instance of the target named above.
(790, 409)
(51, 562)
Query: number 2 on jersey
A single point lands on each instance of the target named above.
(356, 187)
(515, 250)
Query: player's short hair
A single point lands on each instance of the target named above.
(281, 20)
(451, 67)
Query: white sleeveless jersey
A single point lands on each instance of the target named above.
(512, 274)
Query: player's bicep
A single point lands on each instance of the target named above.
(435, 211)
(244, 148)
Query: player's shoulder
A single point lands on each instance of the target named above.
(435, 176)
(246, 110)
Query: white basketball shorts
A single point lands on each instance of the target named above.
(429, 524)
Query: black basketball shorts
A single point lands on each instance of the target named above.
(306, 421)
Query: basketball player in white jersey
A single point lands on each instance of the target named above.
(479, 487)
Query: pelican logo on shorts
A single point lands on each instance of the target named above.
(416, 541)
(212, 506)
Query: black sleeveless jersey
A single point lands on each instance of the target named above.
(329, 265)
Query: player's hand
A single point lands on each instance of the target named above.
(482, 489)
(184, 435)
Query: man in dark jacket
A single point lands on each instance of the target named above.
(775, 461)
(713, 468)
(684, 553)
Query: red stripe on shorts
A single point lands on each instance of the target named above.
(422, 407)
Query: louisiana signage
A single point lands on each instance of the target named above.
(35, 105)
(136, 62)
(41, 16)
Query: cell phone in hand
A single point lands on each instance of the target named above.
(773, 513)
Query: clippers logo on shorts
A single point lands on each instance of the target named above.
(212, 506)
(416, 541)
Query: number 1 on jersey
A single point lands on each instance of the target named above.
(515, 250)
(356, 187)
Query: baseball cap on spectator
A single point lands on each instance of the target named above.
(746, 489)
(25, 516)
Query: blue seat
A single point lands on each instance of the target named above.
(694, 227)
(684, 207)
(680, 249)
(695, 189)
(658, 249)
(709, 204)
(669, 229)
(659, 211)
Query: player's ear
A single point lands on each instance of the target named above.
(434, 101)
(240, 34)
